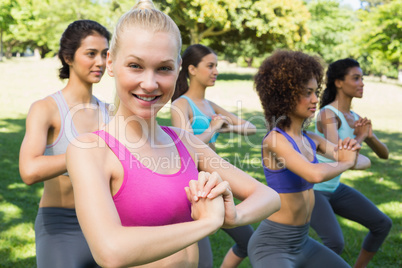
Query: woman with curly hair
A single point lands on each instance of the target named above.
(287, 83)
(337, 121)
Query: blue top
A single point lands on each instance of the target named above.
(284, 180)
(344, 131)
(200, 120)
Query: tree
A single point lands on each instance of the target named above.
(40, 23)
(330, 26)
(380, 36)
(6, 20)
(246, 28)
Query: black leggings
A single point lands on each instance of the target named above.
(241, 235)
(352, 205)
(59, 240)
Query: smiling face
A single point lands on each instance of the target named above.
(307, 103)
(206, 71)
(89, 60)
(145, 68)
(352, 85)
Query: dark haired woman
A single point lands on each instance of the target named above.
(337, 121)
(287, 83)
(52, 123)
(192, 112)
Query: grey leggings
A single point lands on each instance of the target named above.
(59, 240)
(241, 235)
(350, 204)
(285, 246)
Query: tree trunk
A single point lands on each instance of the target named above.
(249, 61)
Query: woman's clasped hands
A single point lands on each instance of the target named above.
(211, 198)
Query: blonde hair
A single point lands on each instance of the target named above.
(144, 15)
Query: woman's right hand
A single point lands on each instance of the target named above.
(204, 208)
(347, 151)
(218, 121)
(363, 128)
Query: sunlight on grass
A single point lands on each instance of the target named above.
(8, 127)
(20, 239)
(390, 208)
(10, 212)
(17, 185)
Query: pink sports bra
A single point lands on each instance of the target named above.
(147, 198)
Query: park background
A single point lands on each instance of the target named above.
(243, 32)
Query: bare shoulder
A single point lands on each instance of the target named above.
(180, 102)
(87, 144)
(274, 139)
(189, 140)
(46, 106)
(327, 116)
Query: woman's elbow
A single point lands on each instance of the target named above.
(251, 129)
(29, 177)
(275, 202)
(317, 177)
(108, 256)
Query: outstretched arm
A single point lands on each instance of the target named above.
(234, 123)
(276, 144)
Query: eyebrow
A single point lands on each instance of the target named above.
(140, 59)
(94, 49)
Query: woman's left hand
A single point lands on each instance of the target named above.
(363, 128)
(211, 186)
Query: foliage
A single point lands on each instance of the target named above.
(380, 37)
(39, 24)
(262, 27)
(6, 20)
(330, 27)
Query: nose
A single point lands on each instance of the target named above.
(149, 83)
(100, 61)
(216, 72)
(314, 98)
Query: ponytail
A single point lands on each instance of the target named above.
(191, 56)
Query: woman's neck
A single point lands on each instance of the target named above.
(130, 128)
(342, 102)
(78, 92)
(196, 91)
(296, 127)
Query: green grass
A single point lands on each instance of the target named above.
(25, 80)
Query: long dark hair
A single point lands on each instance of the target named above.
(71, 39)
(191, 56)
(336, 71)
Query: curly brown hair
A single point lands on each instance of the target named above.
(281, 80)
